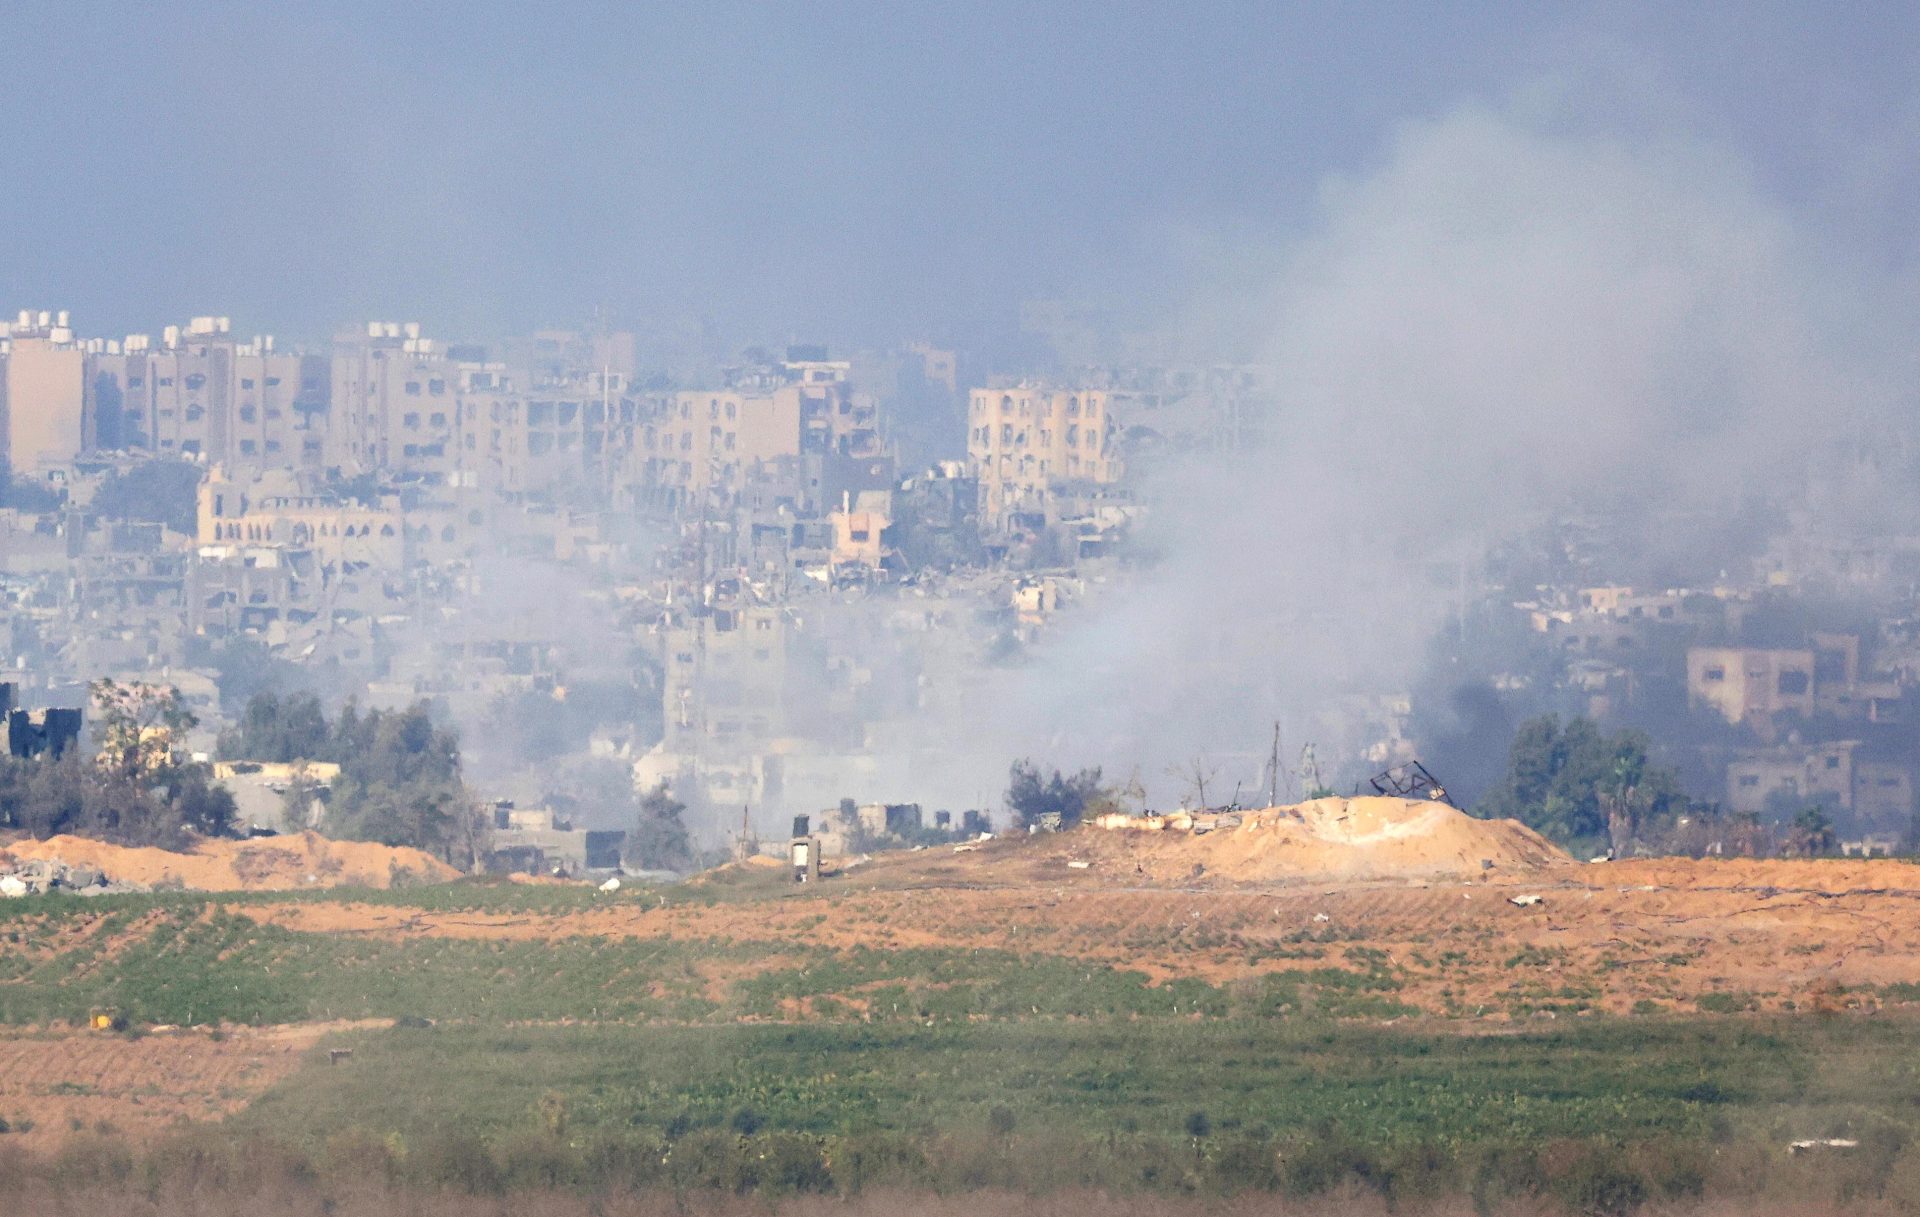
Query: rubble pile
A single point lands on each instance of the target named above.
(34, 876)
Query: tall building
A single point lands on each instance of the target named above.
(203, 393)
(1026, 444)
(43, 397)
(692, 442)
(393, 403)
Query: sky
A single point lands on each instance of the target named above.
(854, 173)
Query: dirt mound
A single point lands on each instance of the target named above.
(1338, 839)
(1826, 875)
(263, 864)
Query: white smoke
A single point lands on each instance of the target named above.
(1503, 321)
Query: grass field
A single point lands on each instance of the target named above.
(1382, 1086)
(1603, 1117)
(1619, 1043)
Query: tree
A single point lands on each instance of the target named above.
(1811, 834)
(1579, 785)
(1032, 797)
(138, 725)
(160, 491)
(400, 777)
(280, 730)
(137, 790)
(1196, 773)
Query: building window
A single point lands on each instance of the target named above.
(1792, 684)
(1833, 762)
(1749, 780)
(1714, 674)
(247, 414)
(413, 388)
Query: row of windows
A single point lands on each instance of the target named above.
(983, 436)
(1790, 683)
(1024, 406)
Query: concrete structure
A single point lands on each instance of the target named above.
(860, 527)
(1023, 443)
(276, 510)
(1843, 776)
(1751, 684)
(538, 841)
(204, 393)
(43, 417)
(691, 443)
(31, 733)
(276, 796)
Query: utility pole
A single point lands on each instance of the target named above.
(1273, 769)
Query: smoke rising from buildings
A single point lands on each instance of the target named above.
(1511, 317)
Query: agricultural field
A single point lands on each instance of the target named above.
(996, 1018)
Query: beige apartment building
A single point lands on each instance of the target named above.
(43, 407)
(410, 404)
(1745, 684)
(202, 393)
(1023, 443)
(694, 442)
(559, 434)
(1876, 791)
(393, 403)
(274, 510)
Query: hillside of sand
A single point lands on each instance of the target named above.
(1349, 839)
(1323, 840)
(307, 860)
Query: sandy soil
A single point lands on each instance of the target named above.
(1334, 838)
(265, 864)
(1604, 936)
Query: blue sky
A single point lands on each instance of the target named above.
(856, 173)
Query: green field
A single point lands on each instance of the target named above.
(591, 1065)
(1596, 1117)
(1384, 1086)
(195, 960)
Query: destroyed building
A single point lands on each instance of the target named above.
(25, 734)
(539, 841)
